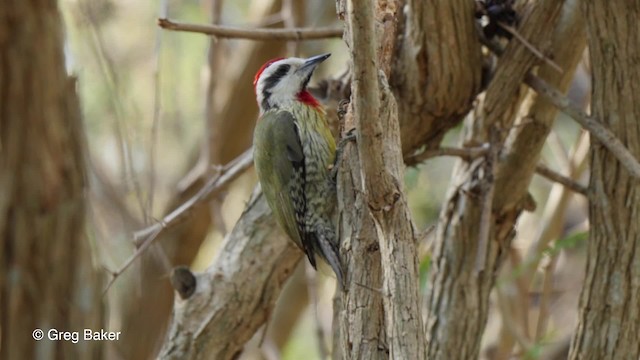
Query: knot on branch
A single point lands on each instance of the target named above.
(183, 281)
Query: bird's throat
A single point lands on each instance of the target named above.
(306, 98)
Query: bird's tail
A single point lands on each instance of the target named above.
(329, 251)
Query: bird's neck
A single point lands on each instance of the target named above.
(306, 98)
(302, 99)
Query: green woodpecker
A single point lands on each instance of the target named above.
(293, 154)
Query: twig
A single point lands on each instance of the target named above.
(108, 69)
(475, 152)
(253, 34)
(467, 153)
(567, 182)
(147, 236)
(487, 201)
(531, 48)
(593, 125)
(157, 113)
(545, 301)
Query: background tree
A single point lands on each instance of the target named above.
(48, 277)
(609, 309)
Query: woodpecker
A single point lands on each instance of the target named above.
(294, 151)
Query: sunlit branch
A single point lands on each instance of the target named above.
(295, 34)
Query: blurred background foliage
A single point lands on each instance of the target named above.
(143, 95)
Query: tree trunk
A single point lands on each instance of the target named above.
(608, 325)
(476, 223)
(47, 277)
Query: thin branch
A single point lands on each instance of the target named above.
(467, 153)
(147, 236)
(593, 125)
(472, 153)
(545, 300)
(531, 48)
(157, 113)
(253, 34)
(491, 163)
(567, 182)
(108, 69)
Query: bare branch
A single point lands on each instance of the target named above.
(473, 153)
(145, 237)
(531, 48)
(567, 182)
(467, 153)
(491, 163)
(593, 125)
(253, 34)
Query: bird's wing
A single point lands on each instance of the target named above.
(279, 160)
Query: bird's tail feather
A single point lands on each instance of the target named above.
(329, 251)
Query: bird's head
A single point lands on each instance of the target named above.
(282, 81)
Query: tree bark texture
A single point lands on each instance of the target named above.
(234, 297)
(608, 326)
(47, 276)
(378, 238)
(476, 225)
(436, 70)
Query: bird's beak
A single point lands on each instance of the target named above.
(311, 63)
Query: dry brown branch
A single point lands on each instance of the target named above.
(473, 153)
(467, 153)
(253, 34)
(592, 124)
(565, 181)
(145, 237)
(531, 48)
(488, 191)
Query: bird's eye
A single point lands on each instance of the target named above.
(274, 78)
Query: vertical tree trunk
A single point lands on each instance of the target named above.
(476, 224)
(47, 278)
(608, 325)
